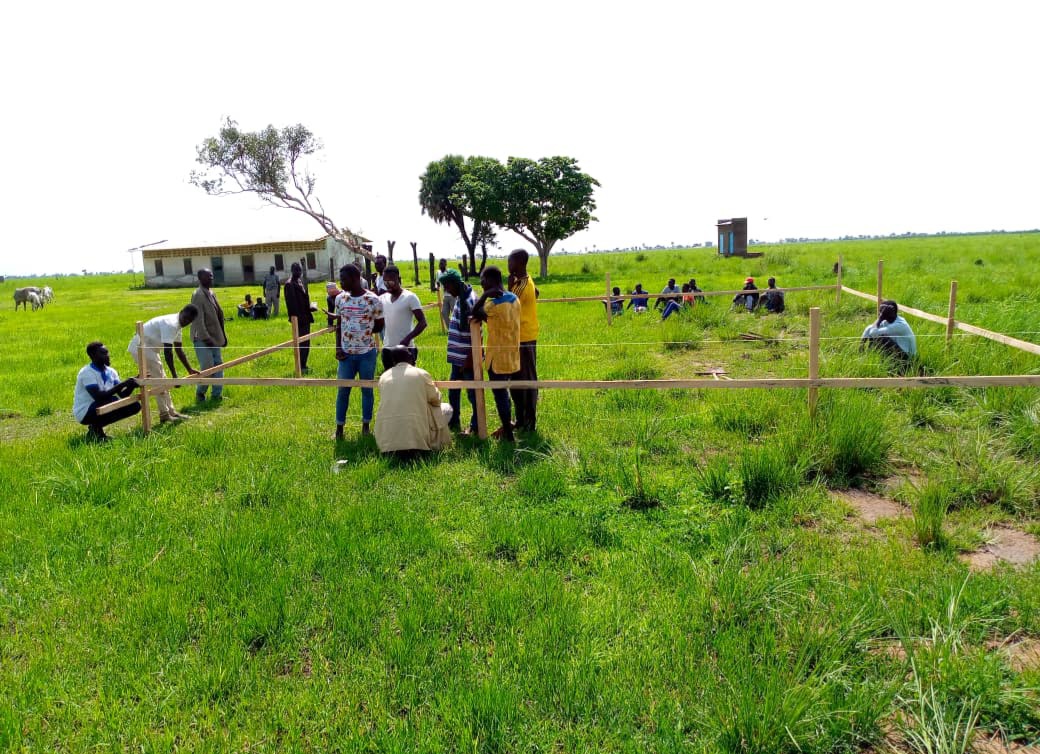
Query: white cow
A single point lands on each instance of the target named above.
(21, 296)
(47, 294)
(34, 299)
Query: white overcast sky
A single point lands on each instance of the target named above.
(827, 118)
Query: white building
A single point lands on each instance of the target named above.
(247, 263)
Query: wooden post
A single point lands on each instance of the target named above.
(296, 346)
(477, 345)
(837, 299)
(880, 275)
(434, 283)
(146, 411)
(814, 356)
(610, 304)
(951, 312)
(440, 310)
(415, 261)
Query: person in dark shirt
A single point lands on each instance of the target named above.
(641, 300)
(260, 309)
(773, 298)
(298, 304)
(748, 300)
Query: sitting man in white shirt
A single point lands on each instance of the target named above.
(411, 418)
(400, 307)
(891, 335)
(97, 384)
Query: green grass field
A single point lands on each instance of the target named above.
(654, 570)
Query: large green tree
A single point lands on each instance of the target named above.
(272, 164)
(543, 201)
(437, 198)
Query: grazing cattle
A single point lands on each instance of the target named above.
(34, 299)
(47, 294)
(21, 296)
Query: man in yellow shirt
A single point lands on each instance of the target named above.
(525, 401)
(501, 310)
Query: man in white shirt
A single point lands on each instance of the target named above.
(163, 333)
(891, 334)
(97, 384)
(400, 307)
(380, 284)
(411, 417)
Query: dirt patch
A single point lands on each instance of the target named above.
(1022, 654)
(870, 507)
(988, 743)
(1005, 546)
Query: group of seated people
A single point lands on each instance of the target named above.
(672, 298)
(771, 299)
(250, 310)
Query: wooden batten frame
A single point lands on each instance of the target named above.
(610, 303)
(110, 407)
(146, 411)
(440, 310)
(570, 299)
(880, 276)
(477, 349)
(951, 312)
(814, 357)
(296, 346)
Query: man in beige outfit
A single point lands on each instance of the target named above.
(411, 417)
(163, 333)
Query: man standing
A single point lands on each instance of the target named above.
(164, 333)
(360, 315)
(400, 307)
(380, 284)
(298, 304)
(411, 417)
(501, 310)
(525, 400)
(447, 298)
(460, 349)
(97, 384)
(207, 332)
(272, 290)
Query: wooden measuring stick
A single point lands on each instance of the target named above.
(814, 356)
(146, 412)
(296, 346)
(880, 275)
(477, 349)
(610, 303)
(440, 310)
(837, 299)
(951, 312)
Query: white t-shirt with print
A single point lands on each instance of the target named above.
(398, 316)
(357, 318)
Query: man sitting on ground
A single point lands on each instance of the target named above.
(259, 309)
(673, 306)
(617, 305)
(97, 384)
(748, 300)
(245, 309)
(891, 335)
(668, 294)
(695, 290)
(411, 418)
(773, 298)
(641, 301)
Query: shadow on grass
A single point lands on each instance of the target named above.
(508, 457)
(357, 448)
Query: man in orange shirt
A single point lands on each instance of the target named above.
(525, 401)
(501, 310)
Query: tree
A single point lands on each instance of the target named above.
(436, 188)
(542, 201)
(270, 163)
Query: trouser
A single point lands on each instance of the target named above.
(888, 347)
(669, 309)
(455, 397)
(361, 366)
(208, 356)
(525, 400)
(502, 404)
(153, 362)
(272, 303)
(303, 327)
(97, 423)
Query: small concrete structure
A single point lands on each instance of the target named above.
(733, 237)
(245, 264)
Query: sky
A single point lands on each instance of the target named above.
(811, 119)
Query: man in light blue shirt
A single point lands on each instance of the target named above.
(891, 334)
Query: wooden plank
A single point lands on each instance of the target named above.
(1016, 380)
(146, 411)
(477, 349)
(610, 310)
(837, 299)
(814, 356)
(880, 275)
(110, 407)
(296, 346)
(951, 312)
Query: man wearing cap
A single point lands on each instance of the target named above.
(460, 351)
(748, 300)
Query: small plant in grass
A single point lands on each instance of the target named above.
(930, 508)
(856, 440)
(714, 480)
(631, 475)
(765, 475)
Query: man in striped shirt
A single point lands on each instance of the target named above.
(460, 350)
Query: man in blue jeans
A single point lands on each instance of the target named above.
(359, 314)
(207, 332)
(460, 349)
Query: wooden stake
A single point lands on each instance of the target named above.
(477, 349)
(880, 275)
(440, 310)
(837, 299)
(296, 346)
(610, 303)
(814, 356)
(951, 312)
(146, 411)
